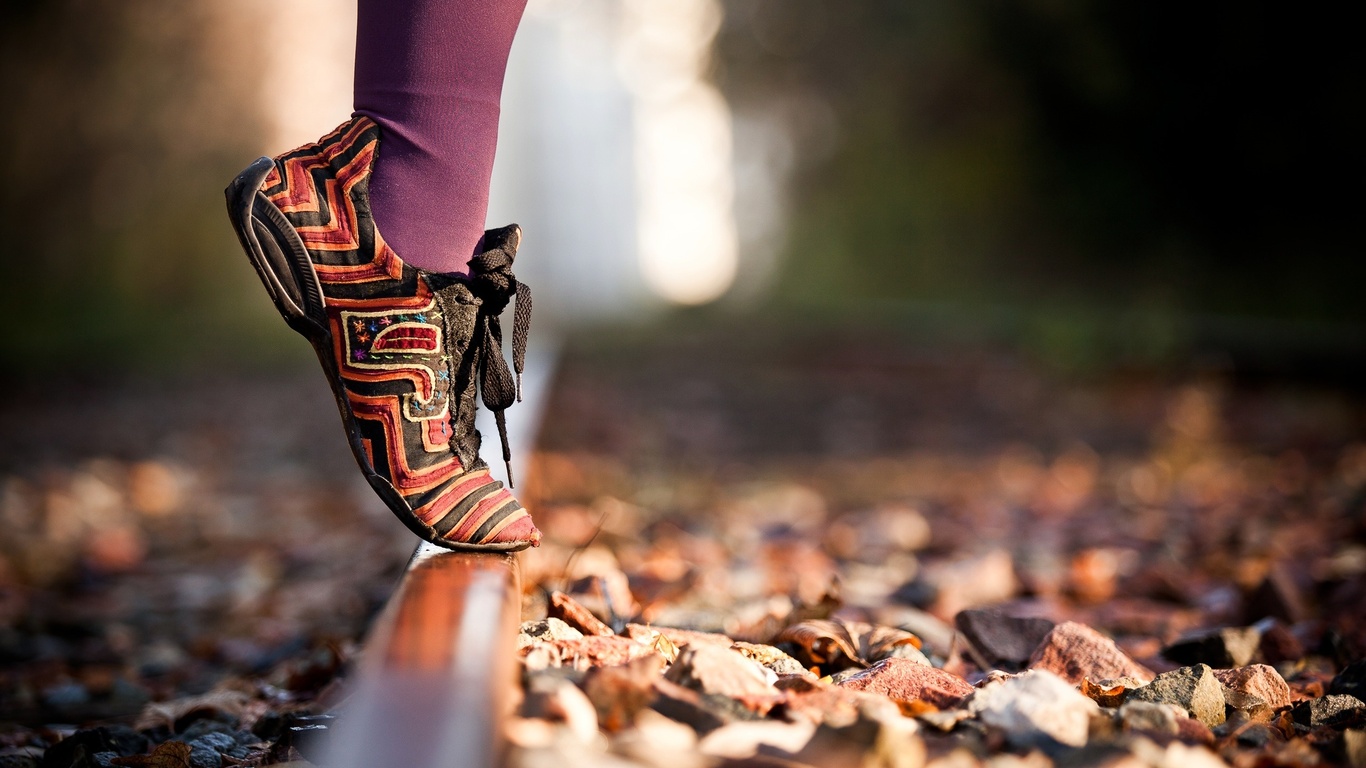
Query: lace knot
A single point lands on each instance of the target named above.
(492, 281)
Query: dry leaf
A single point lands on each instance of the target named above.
(221, 702)
(571, 612)
(666, 648)
(1105, 695)
(916, 708)
(171, 754)
(876, 642)
(822, 643)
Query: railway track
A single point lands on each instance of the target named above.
(438, 667)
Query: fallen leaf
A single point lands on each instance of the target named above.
(822, 643)
(1105, 695)
(571, 612)
(171, 754)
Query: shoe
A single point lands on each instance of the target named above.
(404, 349)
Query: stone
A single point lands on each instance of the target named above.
(204, 757)
(1178, 755)
(1220, 648)
(819, 702)
(599, 651)
(1354, 747)
(936, 636)
(1192, 731)
(1254, 707)
(1151, 717)
(1195, 689)
(1278, 597)
(1000, 641)
(869, 741)
(551, 697)
(620, 694)
(1351, 681)
(738, 741)
(72, 750)
(702, 712)
(1075, 652)
(1278, 644)
(679, 637)
(658, 742)
(774, 659)
(1035, 708)
(1256, 735)
(905, 681)
(1260, 680)
(571, 612)
(945, 588)
(545, 631)
(1333, 710)
(709, 669)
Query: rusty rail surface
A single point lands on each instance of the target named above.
(438, 666)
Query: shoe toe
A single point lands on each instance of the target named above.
(518, 530)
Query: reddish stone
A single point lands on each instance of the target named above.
(1076, 652)
(1192, 731)
(600, 651)
(1259, 680)
(642, 633)
(905, 681)
(817, 702)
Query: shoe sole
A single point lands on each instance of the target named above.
(292, 283)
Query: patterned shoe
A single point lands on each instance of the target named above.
(404, 349)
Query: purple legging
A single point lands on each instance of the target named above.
(430, 73)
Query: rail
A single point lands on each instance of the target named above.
(438, 666)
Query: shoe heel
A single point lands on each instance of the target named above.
(276, 252)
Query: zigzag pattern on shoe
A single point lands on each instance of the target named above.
(403, 344)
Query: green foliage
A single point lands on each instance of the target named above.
(1144, 157)
(126, 121)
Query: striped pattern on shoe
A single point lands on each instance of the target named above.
(406, 351)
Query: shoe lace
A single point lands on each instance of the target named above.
(491, 280)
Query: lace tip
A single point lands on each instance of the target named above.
(508, 466)
(519, 386)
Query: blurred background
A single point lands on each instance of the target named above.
(1060, 293)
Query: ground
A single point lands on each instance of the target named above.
(194, 560)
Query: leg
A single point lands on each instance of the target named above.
(430, 73)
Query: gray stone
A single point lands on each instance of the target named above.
(1334, 710)
(550, 697)
(546, 631)
(888, 742)
(774, 659)
(1194, 689)
(1220, 648)
(1256, 735)
(218, 742)
(999, 640)
(741, 740)
(1035, 708)
(1151, 717)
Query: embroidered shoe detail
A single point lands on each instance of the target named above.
(400, 361)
